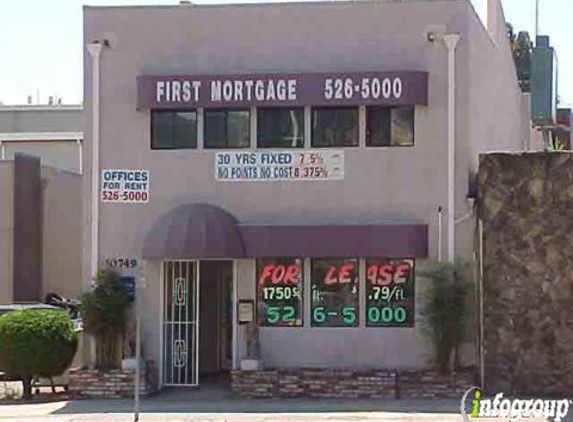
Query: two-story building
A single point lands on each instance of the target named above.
(293, 165)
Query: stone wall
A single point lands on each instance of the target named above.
(115, 383)
(336, 383)
(526, 206)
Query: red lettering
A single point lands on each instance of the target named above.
(372, 274)
(385, 271)
(401, 272)
(292, 274)
(266, 273)
(278, 274)
(330, 277)
(344, 276)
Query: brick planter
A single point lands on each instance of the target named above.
(115, 383)
(336, 383)
(430, 384)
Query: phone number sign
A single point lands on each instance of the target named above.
(279, 165)
(125, 186)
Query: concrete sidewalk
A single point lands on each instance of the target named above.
(196, 406)
(218, 405)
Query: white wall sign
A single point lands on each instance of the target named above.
(125, 186)
(279, 165)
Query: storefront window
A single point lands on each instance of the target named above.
(227, 128)
(390, 126)
(334, 293)
(335, 127)
(173, 129)
(279, 292)
(280, 128)
(390, 294)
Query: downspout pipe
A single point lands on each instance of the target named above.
(451, 42)
(94, 50)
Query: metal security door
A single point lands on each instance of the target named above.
(180, 323)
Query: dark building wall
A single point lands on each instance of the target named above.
(27, 254)
(526, 203)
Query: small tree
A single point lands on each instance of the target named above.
(104, 314)
(36, 342)
(445, 312)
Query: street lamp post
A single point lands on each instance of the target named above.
(139, 286)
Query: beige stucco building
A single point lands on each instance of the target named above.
(40, 202)
(283, 163)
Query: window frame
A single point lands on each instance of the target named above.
(192, 110)
(259, 297)
(226, 110)
(312, 126)
(367, 143)
(303, 128)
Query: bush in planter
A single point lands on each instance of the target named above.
(104, 313)
(446, 312)
(36, 342)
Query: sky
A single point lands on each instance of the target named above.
(41, 43)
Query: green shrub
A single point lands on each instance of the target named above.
(36, 342)
(446, 311)
(104, 314)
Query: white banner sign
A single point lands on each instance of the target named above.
(125, 186)
(279, 165)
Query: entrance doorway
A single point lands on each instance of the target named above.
(197, 321)
(180, 335)
(215, 314)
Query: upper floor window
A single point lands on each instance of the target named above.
(389, 126)
(227, 128)
(173, 129)
(335, 127)
(280, 128)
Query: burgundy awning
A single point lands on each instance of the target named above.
(201, 231)
(194, 231)
(381, 240)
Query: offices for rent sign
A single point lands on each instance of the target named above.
(279, 165)
(125, 186)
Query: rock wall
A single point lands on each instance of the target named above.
(525, 202)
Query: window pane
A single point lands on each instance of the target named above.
(185, 129)
(390, 126)
(378, 128)
(335, 127)
(279, 292)
(227, 128)
(173, 129)
(162, 130)
(403, 126)
(215, 129)
(334, 293)
(280, 128)
(390, 294)
(239, 129)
